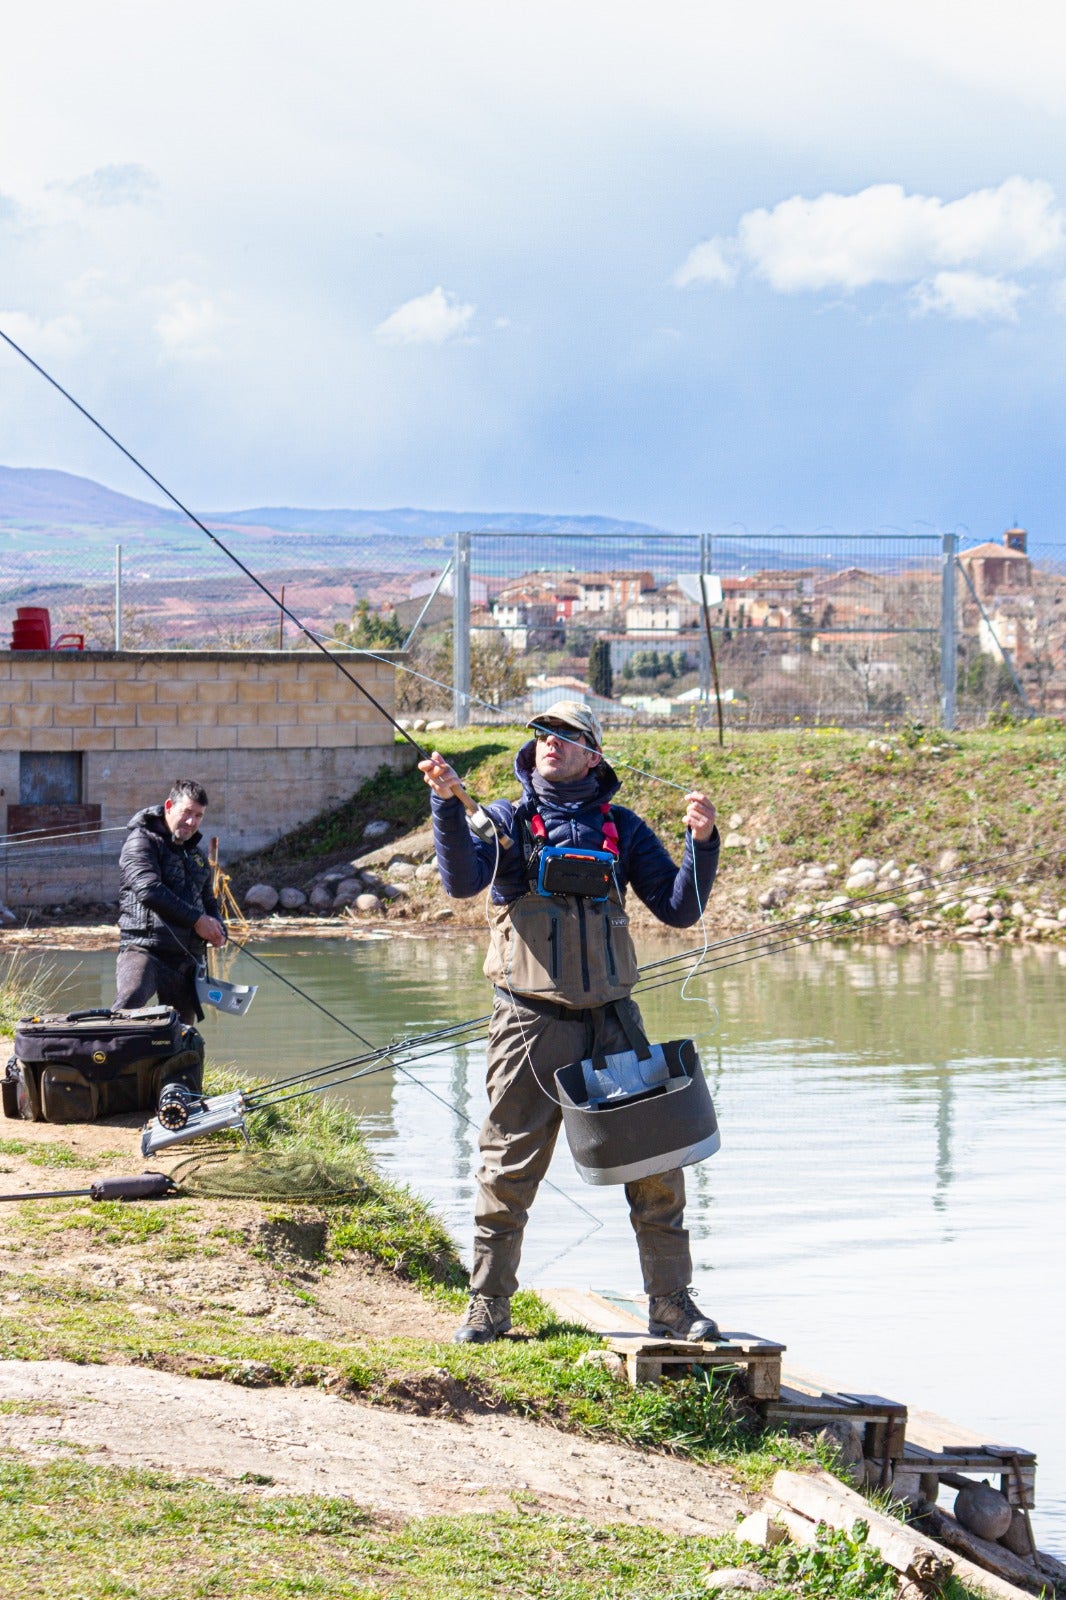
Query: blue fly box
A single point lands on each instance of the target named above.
(568, 869)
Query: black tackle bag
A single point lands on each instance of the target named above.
(84, 1065)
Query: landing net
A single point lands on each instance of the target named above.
(267, 1175)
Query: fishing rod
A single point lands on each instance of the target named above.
(733, 950)
(182, 1114)
(478, 816)
(141, 1186)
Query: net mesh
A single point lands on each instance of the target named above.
(267, 1175)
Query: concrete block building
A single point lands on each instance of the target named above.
(88, 738)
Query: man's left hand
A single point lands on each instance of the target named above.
(700, 816)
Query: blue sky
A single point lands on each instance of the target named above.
(800, 267)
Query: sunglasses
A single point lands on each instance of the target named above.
(568, 735)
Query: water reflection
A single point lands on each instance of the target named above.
(890, 1191)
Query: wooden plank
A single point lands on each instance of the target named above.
(937, 1433)
(979, 1461)
(949, 1468)
(818, 1497)
(877, 1402)
(591, 1311)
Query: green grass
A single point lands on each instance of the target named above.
(27, 983)
(805, 794)
(94, 1533)
(535, 1374)
(101, 1533)
(386, 1221)
(839, 1566)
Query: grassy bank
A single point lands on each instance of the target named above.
(804, 795)
(95, 1532)
(146, 1536)
(66, 1316)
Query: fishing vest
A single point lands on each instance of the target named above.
(564, 947)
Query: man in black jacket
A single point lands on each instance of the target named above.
(168, 913)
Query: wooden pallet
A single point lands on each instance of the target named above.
(881, 1422)
(623, 1323)
(759, 1360)
(937, 1448)
(908, 1447)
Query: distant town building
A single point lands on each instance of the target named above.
(664, 611)
(999, 568)
(611, 591)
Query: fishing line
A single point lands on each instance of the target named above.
(12, 848)
(309, 634)
(302, 993)
(215, 540)
(614, 761)
(385, 1051)
(275, 600)
(33, 837)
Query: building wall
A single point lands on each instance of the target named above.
(274, 736)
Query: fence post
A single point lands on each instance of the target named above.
(704, 711)
(118, 597)
(949, 655)
(461, 632)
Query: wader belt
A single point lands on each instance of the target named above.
(592, 1016)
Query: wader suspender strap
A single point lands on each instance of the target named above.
(534, 834)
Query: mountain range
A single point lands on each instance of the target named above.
(38, 499)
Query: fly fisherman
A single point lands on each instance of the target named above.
(167, 908)
(563, 967)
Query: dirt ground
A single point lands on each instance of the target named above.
(308, 1442)
(431, 1457)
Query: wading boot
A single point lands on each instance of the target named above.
(486, 1319)
(677, 1316)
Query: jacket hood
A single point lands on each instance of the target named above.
(152, 819)
(605, 775)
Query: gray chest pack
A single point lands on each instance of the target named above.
(82, 1065)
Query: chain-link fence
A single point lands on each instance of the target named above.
(815, 629)
(171, 588)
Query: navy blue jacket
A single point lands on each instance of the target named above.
(467, 863)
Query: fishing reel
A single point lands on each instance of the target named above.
(176, 1104)
(192, 1115)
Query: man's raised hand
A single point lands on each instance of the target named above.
(442, 779)
(699, 817)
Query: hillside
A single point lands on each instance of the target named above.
(33, 497)
(983, 810)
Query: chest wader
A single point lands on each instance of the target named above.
(630, 1114)
(567, 938)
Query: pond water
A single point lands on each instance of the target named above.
(890, 1193)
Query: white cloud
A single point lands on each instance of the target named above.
(118, 184)
(884, 235)
(431, 318)
(707, 263)
(968, 297)
(188, 325)
(41, 337)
